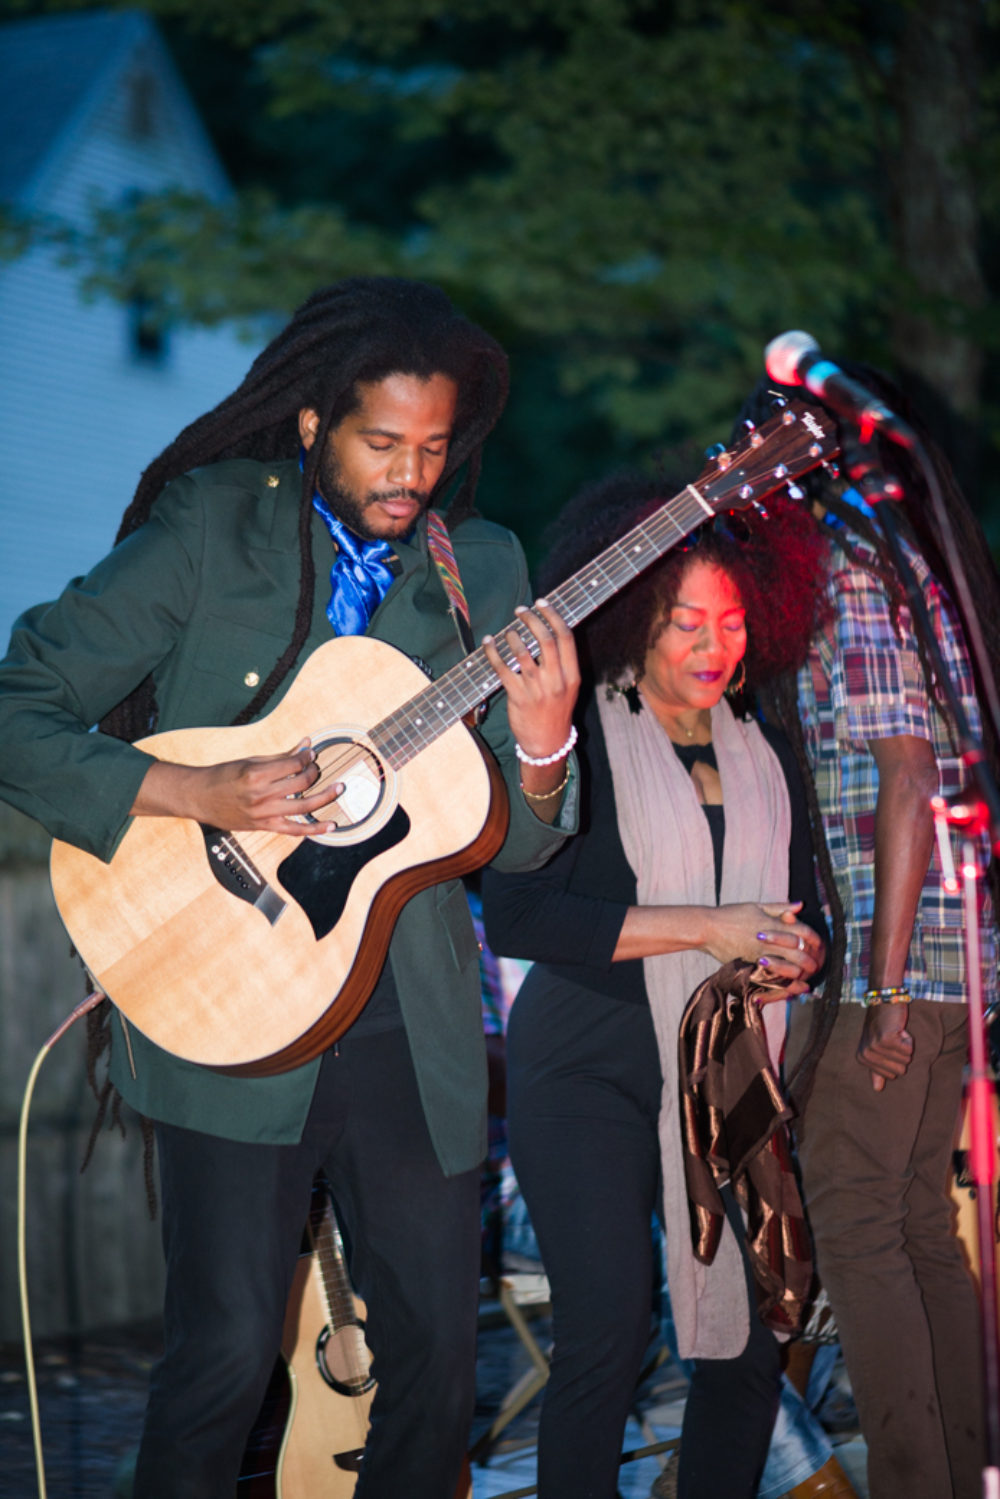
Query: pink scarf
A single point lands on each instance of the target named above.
(667, 841)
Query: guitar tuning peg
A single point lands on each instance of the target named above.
(761, 510)
(831, 468)
(777, 403)
(715, 450)
(794, 492)
(750, 426)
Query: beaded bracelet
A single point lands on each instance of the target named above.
(560, 754)
(897, 995)
(546, 796)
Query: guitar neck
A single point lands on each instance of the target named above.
(404, 733)
(328, 1249)
(789, 445)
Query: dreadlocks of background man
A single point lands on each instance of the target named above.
(918, 522)
(358, 331)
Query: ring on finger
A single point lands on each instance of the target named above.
(801, 943)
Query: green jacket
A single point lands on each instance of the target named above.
(203, 597)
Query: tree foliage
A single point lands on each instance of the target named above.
(635, 195)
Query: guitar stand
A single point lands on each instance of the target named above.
(518, 1290)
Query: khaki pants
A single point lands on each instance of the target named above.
(875, 1168)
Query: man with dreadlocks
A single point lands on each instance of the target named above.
(351, 424)
(885, 1068)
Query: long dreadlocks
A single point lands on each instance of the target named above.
(918, 522)
(356, 332)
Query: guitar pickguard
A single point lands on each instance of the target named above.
(319, 877)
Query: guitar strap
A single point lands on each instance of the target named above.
(443, 553)
(440, 547)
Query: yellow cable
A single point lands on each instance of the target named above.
(22, 1257)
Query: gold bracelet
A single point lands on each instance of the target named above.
(546, 796)
(896, 995)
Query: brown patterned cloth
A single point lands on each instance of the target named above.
(733, 1128)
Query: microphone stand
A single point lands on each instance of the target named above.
(973, 812)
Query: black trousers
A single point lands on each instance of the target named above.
(583, 1093)
(233, 1216)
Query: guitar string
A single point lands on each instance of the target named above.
(421, 719)
(326, 1237)
(419, 722)
(340, 1298)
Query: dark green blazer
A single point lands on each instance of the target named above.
(203, 597)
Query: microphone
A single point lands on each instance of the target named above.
(795, 358)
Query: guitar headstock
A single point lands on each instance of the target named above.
(798, 438)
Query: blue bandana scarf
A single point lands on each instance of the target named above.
(359, 578)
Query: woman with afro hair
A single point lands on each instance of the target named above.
(694, 851)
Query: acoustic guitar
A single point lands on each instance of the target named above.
(252, 952)
(308, 1441)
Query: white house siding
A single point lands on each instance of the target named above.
(80, 414)
(80, 418)
(100, 150)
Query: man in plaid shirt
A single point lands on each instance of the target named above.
(876, 1139)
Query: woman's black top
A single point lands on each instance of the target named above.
(569, 914)
(689, 755)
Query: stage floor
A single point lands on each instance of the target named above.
(92, 1394)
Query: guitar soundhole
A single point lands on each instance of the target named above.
(361, 807)
(343, 1360)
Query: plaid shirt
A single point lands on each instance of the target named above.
(862, 682)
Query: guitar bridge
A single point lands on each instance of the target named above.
(237, 873)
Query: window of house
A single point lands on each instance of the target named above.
(149, 338)
(140, 105)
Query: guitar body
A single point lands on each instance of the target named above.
(208, 974)
(309, 1438)
(328, 1422)
(308, 1441)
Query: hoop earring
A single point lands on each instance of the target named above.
(735, 687)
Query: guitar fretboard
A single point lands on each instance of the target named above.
(408, 730)
(329, 1250)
